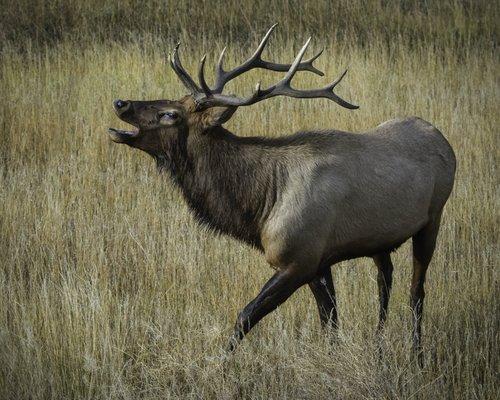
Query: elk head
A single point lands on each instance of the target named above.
(204, 108)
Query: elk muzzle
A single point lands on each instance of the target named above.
(122, 108)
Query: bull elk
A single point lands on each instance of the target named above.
(306, 201)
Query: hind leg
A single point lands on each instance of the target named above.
(384, 281)
(424, 243)
(324, 293)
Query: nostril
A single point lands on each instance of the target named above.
(120, 104)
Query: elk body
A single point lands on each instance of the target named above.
(308, 200)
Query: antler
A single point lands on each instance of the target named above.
(205, 97)
(255, 61)
(176, 65)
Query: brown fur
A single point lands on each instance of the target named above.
(307, 200)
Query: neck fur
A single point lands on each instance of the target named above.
(229, 182)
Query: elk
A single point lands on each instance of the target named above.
(306, 201)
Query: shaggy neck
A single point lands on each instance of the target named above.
(230, 183)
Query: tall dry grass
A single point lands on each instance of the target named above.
(109, 289)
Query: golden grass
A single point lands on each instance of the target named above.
(109, 289)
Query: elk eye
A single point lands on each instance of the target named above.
(167, 114)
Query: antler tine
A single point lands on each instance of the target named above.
(176, 65)
(201, 77)
(256, 55)
(293, 68)
(219, 69)
(255, 61)
(338, 80)
(334, 97)
(308, 64)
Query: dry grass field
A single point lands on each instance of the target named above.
(108, 287)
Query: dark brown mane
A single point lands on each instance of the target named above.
(229, 182)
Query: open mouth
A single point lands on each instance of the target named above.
(121, 136)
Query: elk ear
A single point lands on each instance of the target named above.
(218, 115)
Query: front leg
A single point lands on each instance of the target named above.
(276, 291)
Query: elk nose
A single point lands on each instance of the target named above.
(121, 105)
